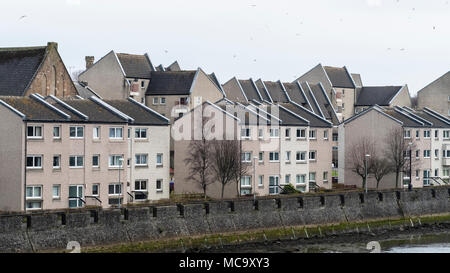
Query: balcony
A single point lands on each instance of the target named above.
(445, 161)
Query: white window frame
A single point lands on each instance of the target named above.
(300, 131)
(260, 180)
(300, 153)
(98, 161)
(76, 132)
(98, 189)
(426, 153)
(76, 166)
(58, 187)
(162, 100)
(34, 136)
(272, 155)
(115, 130)
(246, 133)
(115, 191)
(155, 101)
(298, 179)
(312, 152)
(245, 179)
(59, 132)
(246, 157)
(446, 134)
(138, 133)
(287, 133)
(115, 159)
(160, 189)
(139, 160)
(274, 132)
(33, 196)
(59, 162)
(426, 133)
(96, 132)
(34, 162)
(161, 156)
(312, 134)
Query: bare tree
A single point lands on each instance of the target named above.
(75, 74)
(199, 161)
(379, 168)
(397, 149)
(359, 163)
(225, 161)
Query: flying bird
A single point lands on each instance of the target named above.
(21, 17)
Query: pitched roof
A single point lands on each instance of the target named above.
(324, 103)
(135, 66)
(84, 91)
(18, 67)
(380, 95)
(262, 90)
(314, 120)
(96, 112)
(171, 82)
(141, 114)
(295, 93)
(173, 67)
(233, 90)
(357, 79)
(408, 121)
(339, 77)
(311, 98)
(276, 91)
(34, 110)
(249, 89)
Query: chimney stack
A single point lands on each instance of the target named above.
(52, 45)
(89, 61)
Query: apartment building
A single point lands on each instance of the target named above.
(148, 151)
(436, 95)
(425, 130)
(118, 75)
(71, 153)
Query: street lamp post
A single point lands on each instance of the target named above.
(365, 169)
(120, 186)
(254, 178)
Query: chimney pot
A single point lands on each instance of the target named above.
(89, 61)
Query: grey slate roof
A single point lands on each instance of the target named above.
(135, 66)
(276, 91)
(357, 79)
(173, 67)
(33, 109)
(314, 121)
(314, 106)
(324, 103)
(84, 91)
(339, 77)
(407, 121)
(437, 123)
(94, 111)
(295, 94)
(249, 90)
(18, 67)
(233, 91)
(381, 95)
(170, 82)
(141, 115)
(262, 90)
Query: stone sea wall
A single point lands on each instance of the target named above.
(32, 232)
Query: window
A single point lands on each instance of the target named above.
(312, 155)
(407, 134)
(141, 159)
(274, 156)
(56, 132)
(115, 161)
(426, 153)
(76, 161)
(56, 191)
(446, 134)
(245, 132)
(76, 131)
(301, 133)
(287, 133)
(159, 159)
(142, 84)
(335, 137)
(115, 189)
(246, 182)
(96, 132)
(426, 133)
(288, 156)
(34, 131)
(300, 179)
(140, 185)
(426, 177)
(325, 177)
(96, 161)
(261, 156)
(34, 162)
(312, 177)
(436, 153)
(34, 192)
(261, 181)
(56, 162)
(246, 157)
(273, 185)
(140, 133)
(325, 134)
(436, 133)
(116, 132)
(417, 133)
(300, 156)
(95, 189)
(287, 179)
(312, 134)
(446, 153)
(436, 172)
(417, 153)
(260, 133)
(162, 100)
(159, 185)
(274, 132)
(128, 133)
(417, 174)
(155, 101)
(445, 172)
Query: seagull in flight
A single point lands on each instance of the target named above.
(21, 17)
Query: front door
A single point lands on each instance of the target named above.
(76, 196)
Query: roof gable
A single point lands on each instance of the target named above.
(135, 66)
(380, 95)
(18, 66)
(339, 77)
(171, 82)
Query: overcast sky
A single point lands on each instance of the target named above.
(389, 42)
